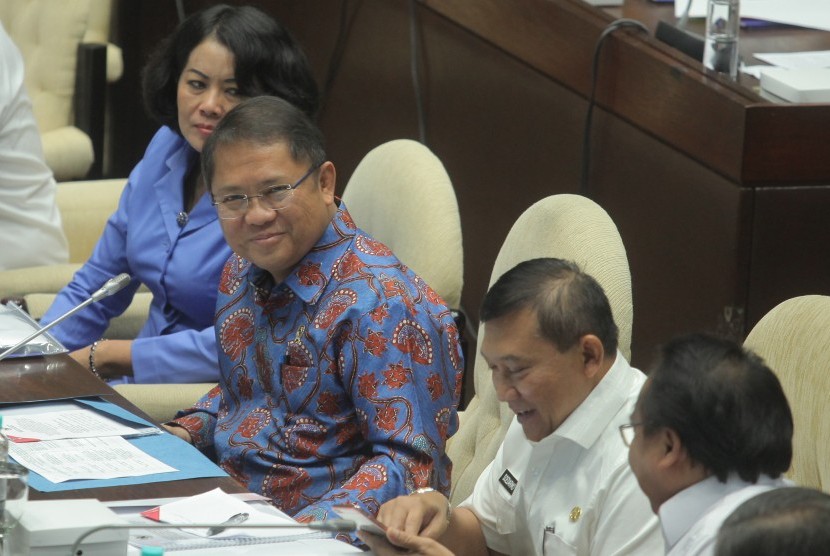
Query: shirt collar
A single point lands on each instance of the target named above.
(680, 512)
(590, 419)
(309, 278)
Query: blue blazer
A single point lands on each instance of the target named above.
(179, 264)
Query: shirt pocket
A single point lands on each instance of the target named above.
(554, 545)
(506, 512)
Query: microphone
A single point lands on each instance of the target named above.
(181, 219)
(329, 525)
(111, 286)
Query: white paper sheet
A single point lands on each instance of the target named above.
(797, 60)
(216, 506)
(814, 14)
(86, 458)
(71, 423)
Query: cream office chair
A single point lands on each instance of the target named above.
(794, 340)
(563, 226)
(85, 207)
(400, 194)
(69, 62)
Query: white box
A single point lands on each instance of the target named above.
(51, 527)
(797, 85)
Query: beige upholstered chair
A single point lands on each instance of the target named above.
(794, 340)
(401, 195)
(85, 207)
(49, 34)
(162, 401)
(563, 226)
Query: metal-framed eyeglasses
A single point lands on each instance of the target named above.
(274, 197)
(627, 432)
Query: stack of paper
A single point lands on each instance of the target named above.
(797, 85)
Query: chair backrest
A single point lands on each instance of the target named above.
(85, 207)
(794, 340)
(400, 194)
(48, 34)
(562, 226)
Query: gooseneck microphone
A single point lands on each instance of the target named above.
(110, 287)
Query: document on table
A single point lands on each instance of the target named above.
(217, 507)
(73, 422)
(796, 60)
(813, 14)
(86, 458)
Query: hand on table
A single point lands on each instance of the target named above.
(401, 542)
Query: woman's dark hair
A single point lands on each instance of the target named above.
(267, 58)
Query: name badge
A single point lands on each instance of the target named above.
(508, 481)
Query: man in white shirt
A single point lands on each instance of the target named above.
(712, 429)
(560, 483)
(30, 224)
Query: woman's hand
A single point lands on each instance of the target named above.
(113, 358)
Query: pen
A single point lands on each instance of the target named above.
(233, 520)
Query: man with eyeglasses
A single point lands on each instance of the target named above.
(340, 368)
(712, 428)
(560, 482)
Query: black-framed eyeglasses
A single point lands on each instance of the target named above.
(274, 197)
(627, 432)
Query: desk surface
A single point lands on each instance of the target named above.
(58, 376)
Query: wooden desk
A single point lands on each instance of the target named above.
(42, 378)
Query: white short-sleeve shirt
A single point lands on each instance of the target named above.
(573, 492)
(30, 223)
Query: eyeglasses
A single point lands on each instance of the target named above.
(274, 197)
(627, 432)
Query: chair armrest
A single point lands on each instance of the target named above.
(162, 401)
(19, 282)
(68, 151)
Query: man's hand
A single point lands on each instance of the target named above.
(401, 542)
(417, 514)
(181, 432)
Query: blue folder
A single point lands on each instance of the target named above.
(175, 452)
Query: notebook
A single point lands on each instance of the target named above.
(808, 85)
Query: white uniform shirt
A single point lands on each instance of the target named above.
(573, 492)
(691, 518)
(30, 223)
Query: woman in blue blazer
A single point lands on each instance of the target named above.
(165, 233)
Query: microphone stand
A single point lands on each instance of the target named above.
(110, 287)
(329, 525)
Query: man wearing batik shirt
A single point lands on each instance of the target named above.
(340, 368)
